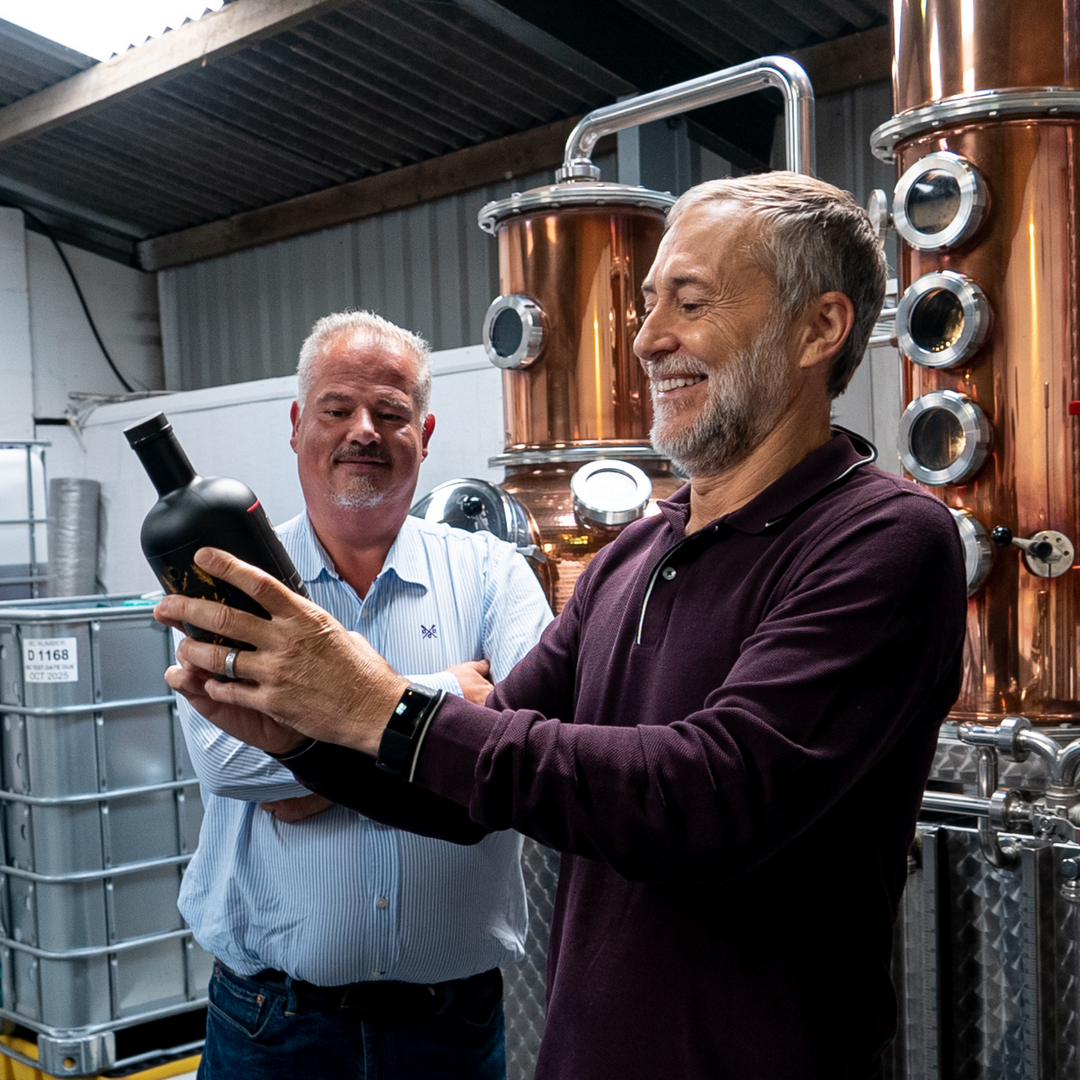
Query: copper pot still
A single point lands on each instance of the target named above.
(985, 139)
(572, 258)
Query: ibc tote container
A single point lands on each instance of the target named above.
(100, 814)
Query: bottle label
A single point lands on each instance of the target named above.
(177, 572)
(50, 660)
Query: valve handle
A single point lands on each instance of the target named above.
(1039, 549)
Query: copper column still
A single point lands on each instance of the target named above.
(985, 138)
(572, 257)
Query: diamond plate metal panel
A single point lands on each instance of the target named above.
(986, 965)
(524, 982)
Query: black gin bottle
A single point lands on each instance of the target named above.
(202, 511)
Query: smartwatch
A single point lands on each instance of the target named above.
(400, 743)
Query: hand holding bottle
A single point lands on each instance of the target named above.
(307, 674)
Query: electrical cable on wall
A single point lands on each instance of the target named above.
(79, 293)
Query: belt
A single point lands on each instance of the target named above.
(386, 1001)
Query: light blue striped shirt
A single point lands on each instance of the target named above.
(339, 898)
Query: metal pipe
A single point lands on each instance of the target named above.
(103, 1028)
(1040, 744)
(779, 72)
(88, 952)
(1068, 761)
(87, 706)
(94, 796)
(1004, 858)
(173, 1051)
(948, 802)
(120, 870)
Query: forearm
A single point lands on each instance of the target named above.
(353, 780)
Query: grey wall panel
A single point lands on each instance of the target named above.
(244, 316)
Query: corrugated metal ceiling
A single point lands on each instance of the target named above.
(358, 89)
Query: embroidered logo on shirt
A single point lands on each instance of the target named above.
(428, 632)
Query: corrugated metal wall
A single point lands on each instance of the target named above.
(428, 268)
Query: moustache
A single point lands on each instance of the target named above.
(678, 364)
(360, 453)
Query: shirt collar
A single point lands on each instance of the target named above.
(405, 557)
(802, 484)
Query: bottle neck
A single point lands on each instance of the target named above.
(165, 463)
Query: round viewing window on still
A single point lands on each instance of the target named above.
(933, 201)
(937, 321)
(944, 438)
(937, 439)
(939, 202)
(506, 332)
(942, 319)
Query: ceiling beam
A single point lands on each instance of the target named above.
(847, 62)
(188, 47)
(624, 41)
(464, 170)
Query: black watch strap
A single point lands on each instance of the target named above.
(400, 743)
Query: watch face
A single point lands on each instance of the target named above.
(405, 730)
(409, 710)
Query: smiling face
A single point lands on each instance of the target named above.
(714, 342)
(359, 440)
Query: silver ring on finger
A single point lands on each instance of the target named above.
(230, 663)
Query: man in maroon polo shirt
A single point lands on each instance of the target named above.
(727, 730)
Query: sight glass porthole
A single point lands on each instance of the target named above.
(513, 331)
(944, 438)
(942, 319)
(610, 492)
(978, 548)
(939, 202)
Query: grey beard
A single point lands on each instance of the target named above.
(746, 397)
(362, 495)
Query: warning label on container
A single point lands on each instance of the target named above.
(50, 659)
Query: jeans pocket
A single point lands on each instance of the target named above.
(479, 1004)
(241, 1004)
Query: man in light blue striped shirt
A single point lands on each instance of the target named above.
(345, 947)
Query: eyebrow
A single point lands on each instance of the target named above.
(676, 282)
(334, 397)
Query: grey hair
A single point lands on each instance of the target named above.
(372, 329)
(814, 239)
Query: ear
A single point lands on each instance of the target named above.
(425, 434)
(294, 416)
(825, 326)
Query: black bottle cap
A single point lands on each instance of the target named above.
(147, 430)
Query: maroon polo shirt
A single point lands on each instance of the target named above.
(727, 735)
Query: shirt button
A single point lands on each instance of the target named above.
(668, 572)
(382, 902)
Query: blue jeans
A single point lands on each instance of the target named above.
(281, 1029)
